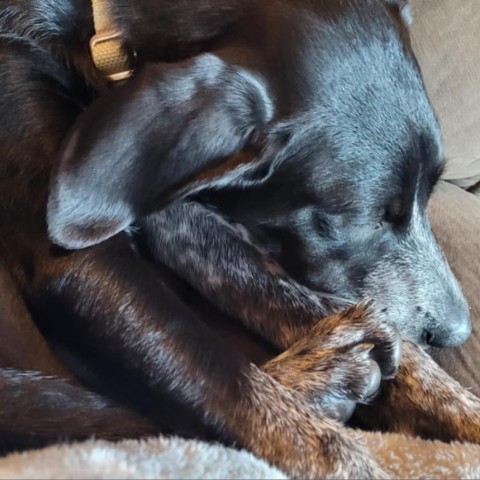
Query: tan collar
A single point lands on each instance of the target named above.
(106, 47)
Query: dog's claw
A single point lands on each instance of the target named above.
(388, 355)
(342, 411)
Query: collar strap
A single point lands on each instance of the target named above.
(106, 47)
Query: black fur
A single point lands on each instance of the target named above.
(293, 161)
(341, 152)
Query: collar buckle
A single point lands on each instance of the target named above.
(110, 57)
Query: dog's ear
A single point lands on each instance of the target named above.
(402, 9)
(139, 146)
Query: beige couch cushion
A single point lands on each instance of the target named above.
(446, 40)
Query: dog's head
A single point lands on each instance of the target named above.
(339, 193)
(344, 209)
(347, 216)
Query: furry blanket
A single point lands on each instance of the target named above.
(172, 458)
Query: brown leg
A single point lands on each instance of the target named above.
(113, 306)
(424, 400)
(279, 427)
(36, 411)
(234, 275)
(22, 346)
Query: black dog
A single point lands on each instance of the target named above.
(337, 114)
(350, 152)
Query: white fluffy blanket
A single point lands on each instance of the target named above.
(173, 458)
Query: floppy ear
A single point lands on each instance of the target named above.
(143, 144)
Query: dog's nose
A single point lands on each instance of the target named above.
(452, 333)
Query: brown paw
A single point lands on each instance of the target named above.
(359, 325)
(341, 363)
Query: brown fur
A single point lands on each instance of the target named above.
(299, 441)
(335, 360)
(424, 400)
(337, 365)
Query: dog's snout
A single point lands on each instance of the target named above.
(454, 332)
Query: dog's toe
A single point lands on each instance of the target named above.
(360, 385)
(359, 325)
(373, 382)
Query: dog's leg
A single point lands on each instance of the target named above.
(39, 405)
(111, 304)
(21, 345)
(424, 400)
(38, 410)
(233, 274)
(211, 255)
(303, 443)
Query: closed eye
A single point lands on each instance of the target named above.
(396, 211)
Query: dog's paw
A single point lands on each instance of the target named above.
(341, 363)
(359, 325)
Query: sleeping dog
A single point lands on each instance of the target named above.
(278, 156)
(339, 152)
